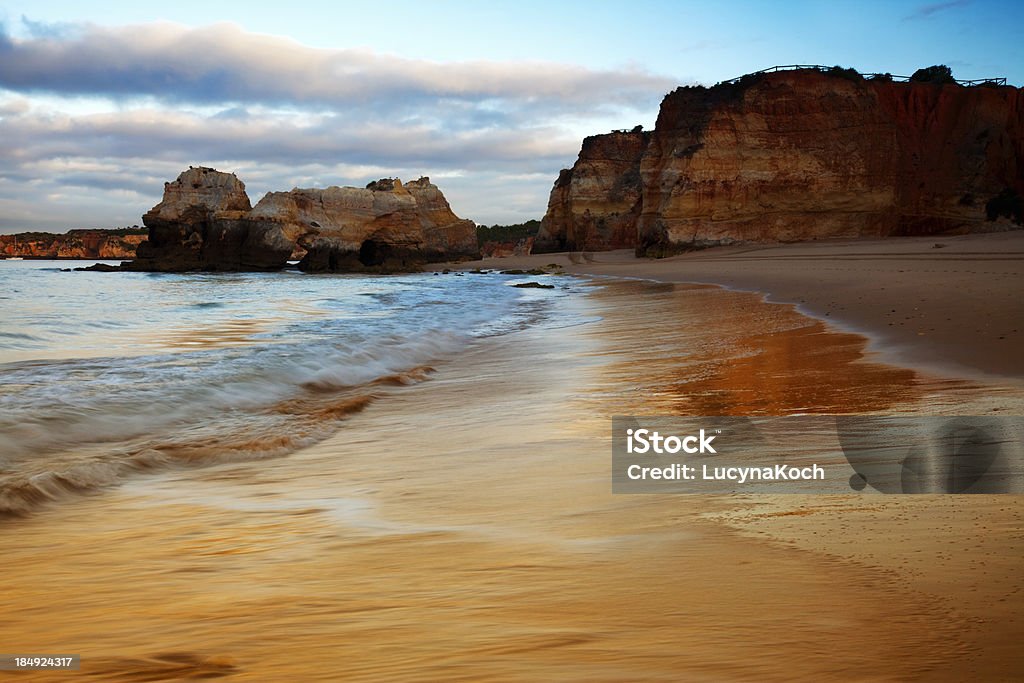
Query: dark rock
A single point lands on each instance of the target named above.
(102, 268)
(533, 285)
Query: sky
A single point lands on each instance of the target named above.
(102, 102)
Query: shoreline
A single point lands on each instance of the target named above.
(475, 536)
(955, 309)
(465, 528)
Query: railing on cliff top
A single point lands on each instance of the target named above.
(819, 67)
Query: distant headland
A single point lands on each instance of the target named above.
(116, 243)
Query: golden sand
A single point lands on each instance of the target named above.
(953, 304)
(464, 529)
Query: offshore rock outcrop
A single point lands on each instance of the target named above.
(797, 155)
(385, 226)
(201, 225)
(205, 222)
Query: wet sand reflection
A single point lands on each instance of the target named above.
(464, 529)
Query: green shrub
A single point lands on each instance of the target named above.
(507, 233)
(939, 73)
(848, 74)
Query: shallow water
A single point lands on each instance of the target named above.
(104, 374)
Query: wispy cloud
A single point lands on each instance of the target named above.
(925, 11)
(43, 29)
(223, 63)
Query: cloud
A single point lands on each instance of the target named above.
(925, 11)
(94, 119)
(328, 138)
(42, 29)
(14, 106)
(223, 63)
(109, 168)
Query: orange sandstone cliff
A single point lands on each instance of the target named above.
(596, 204)
(797, 155)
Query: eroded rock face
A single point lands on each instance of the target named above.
(802, 155)
(595, 205)
(201, 225)
(385, 226)
(205, 223)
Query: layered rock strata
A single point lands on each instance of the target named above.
(205, 222)
(797, 155)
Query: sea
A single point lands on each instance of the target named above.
(108, 375)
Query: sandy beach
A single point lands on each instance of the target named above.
(465, 529)
(952, 303)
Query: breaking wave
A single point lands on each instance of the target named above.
(205, 369)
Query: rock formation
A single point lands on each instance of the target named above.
(596, 204)
(797, 155)
(205, 222)
(201, 225)
(501, 241)
(386, 226)
(74, 244)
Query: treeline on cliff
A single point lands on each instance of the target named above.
(76, 233)
(507, 240)
(507, 233)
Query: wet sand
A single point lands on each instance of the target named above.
(951, 304)
(464, 529)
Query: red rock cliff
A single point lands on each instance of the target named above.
(800, 155)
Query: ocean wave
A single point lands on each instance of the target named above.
(319, 355)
